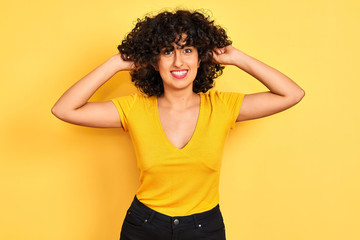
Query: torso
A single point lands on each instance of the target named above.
(179, 125)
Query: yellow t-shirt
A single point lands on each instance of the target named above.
(179, 182)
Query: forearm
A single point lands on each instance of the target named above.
(274, 80)
(78, 94)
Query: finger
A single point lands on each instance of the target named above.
(217, 51)
(215, 54)
(215, 57)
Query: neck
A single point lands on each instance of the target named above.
(179, 99)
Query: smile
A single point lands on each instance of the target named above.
(179, 73)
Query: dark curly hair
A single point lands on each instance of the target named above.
(151, 34)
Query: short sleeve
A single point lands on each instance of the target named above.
(233, 101)
(124, 105)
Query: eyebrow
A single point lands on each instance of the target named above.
(177, 46)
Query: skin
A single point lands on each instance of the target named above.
(179, 106)
(178, 91)
(284, 92)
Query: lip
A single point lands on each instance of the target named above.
(179, 76)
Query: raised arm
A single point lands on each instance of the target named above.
(73, 105)
(284, 92)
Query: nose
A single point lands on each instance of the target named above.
(178, 61)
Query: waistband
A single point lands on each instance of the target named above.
(169, 219)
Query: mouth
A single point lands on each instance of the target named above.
(179, 73)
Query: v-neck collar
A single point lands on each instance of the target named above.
(195, 133)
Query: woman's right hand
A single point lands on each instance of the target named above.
(73, 105)
(123, 65)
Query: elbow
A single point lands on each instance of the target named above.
(301, 95)
(57, 113)
(298, 96)
(295, 97)
(64, 114)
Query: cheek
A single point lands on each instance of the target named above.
(196, 63)
(162, 68)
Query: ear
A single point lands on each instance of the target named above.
(199, 63)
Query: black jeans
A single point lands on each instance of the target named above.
(144, 223)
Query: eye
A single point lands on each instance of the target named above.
(167, 51)
(188, 50)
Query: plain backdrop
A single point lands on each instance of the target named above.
(293, 175)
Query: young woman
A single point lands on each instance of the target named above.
(177, 124)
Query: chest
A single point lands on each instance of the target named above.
(164, 139)
(179, 126)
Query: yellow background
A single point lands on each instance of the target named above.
(294, 175)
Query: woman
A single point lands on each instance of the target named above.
(178, 127)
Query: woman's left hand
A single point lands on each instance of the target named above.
(225, 56)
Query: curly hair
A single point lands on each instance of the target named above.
(151, 34)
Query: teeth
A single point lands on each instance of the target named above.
(179, 73)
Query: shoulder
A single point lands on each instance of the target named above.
(135, 102)
(132, 98)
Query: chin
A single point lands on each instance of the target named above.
(183, 86)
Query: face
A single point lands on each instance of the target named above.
(178, 66)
